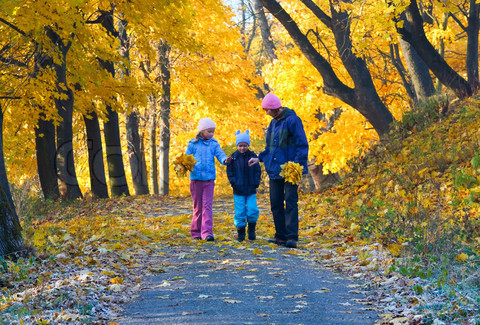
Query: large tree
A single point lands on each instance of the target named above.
(413, 33)
(363, 96)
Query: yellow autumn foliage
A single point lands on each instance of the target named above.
(184, 163)
(292, 172)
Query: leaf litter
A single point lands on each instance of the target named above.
(89, 264)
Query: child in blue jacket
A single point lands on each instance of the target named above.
(204, 149)
(245, 181)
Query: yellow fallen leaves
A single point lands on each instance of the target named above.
(184, 163)
(292, 172)
(461, 257)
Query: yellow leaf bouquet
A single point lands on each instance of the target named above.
(292, 172)
(184, 163)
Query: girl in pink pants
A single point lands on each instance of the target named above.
(204, 149)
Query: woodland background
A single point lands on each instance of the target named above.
(97, 98)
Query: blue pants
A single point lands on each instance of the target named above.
(246, 209)
(284, 205)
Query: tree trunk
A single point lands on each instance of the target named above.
(152, 131)
(135, 154)
(320, 179)
(447, 76)
(45, 151)
(364, 97)
(3, 170)
(472, 45)
(418, 70)
(67, 176)
(116, 170)
(98, 182)
(164, 146)
(11, 241)
(264, 30)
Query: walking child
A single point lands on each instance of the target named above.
(245, 181)
(204, 149)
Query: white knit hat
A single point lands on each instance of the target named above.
(205, 123)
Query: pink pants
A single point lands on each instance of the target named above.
(202, 221)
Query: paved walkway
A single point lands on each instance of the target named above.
(208, 284)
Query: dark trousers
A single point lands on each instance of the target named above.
(284, 206)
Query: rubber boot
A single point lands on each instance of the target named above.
(251, 231)
(241, 234)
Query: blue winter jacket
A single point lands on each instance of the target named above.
(286, 141)
(244, 179)
(205, 151)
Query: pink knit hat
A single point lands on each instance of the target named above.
(271, 102)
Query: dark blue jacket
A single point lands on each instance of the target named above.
(244, 179)
(286, 141)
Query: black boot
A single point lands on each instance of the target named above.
(241, 234)
(251, 231)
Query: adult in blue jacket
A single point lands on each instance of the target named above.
(285, 141)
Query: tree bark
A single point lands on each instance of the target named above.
(69, 188)
(447, 76)
(364, 97)
(319, 178)
(3, 170)
(135, 154)
(164, 145)
(421, 80)
(45, 148)
(116, 170)
(152, 133)
(264, 30)
(11, 241)
(98, 182)
(472, 45)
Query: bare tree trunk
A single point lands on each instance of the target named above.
(164, 146)
(152, 132)
(419, 72)
(11, 241)
(3, 171)
(472, 45)
(116, 169)
(45, 151)
(319, 178)
(69, 188)
(264, 30)
(96, 166)
(136, 155)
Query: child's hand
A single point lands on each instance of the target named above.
(228, 160)
(253, 161)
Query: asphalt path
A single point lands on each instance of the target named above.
(210, 283)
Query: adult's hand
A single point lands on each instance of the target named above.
(253, 161)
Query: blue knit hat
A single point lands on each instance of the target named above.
(242, 137)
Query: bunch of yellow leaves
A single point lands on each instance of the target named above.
(292, 172)
(184, 163)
